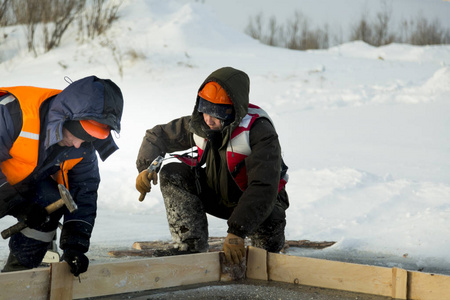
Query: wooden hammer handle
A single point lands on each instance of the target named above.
(8, 232)
(19, 226)
(54, 206)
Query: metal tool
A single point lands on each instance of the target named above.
(155, 164)
(153, 168)
(66, 199)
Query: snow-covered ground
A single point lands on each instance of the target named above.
(364, 130)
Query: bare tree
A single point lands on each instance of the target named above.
(362, 31)
(28, 13)
(273, 33)
(99, 17)
(405, 28)
(426, 33)
(254, 27)
(295, 34)
(293, 31)
(381, 27)
(4, 5)
(56, 17)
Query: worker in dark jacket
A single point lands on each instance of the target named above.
(50, 137)
(237, 175)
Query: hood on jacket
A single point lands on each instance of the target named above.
(88, 98)
(237, 85)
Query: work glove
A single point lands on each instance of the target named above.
(143, 182)
(234, 248)
(77, 261)
(32, 214)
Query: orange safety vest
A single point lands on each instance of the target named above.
(25, 149)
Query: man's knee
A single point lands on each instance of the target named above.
(270, 238)
(177, 175)
(28, 252)
(270, 234)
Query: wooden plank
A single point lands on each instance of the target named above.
(215, 244)
(330, 274)
(257, 263)
(132, 252)
(399, 283)
(307, 244)
(428, 286)
(149, 245)
(218, 241)
(61, 281)
(146, 274)
(30, 284)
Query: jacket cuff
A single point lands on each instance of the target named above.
(76, 235)
(234, 230)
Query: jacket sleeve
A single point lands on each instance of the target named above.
(263, 172)
(8, 194)
(84, 179)
(162, 139)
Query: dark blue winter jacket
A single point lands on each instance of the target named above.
(88, 98)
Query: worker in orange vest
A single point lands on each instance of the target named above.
(50, 137)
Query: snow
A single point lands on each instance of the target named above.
(364, 130)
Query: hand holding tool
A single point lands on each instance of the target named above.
(150, 174)
(77, 261)
(66, 199)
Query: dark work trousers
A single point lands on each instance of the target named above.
(30, 245)
(186, 210)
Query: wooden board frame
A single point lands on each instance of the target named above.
(147, 274)
(104, 279)
(330, 274)
(31, 284)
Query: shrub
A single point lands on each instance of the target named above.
(376, 33)
(426, 33)
(57, 15)
(295, 34)
(4, 5)
(54, 17)
(98, 17)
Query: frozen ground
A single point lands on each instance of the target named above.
(248, 289)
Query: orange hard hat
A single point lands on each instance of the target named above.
(213, 92)
(95, 129)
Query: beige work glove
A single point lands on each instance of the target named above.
(143, 182)
(234, 249)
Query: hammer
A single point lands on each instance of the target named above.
(66, 199)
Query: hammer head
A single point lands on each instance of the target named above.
(67, 198)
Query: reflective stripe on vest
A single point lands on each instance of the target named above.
(25, 149)
(7, 100)
(201, 144)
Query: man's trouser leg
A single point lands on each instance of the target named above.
(28, 247)
(185, 213)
